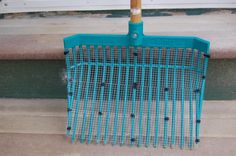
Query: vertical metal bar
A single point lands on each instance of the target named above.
(149, 99)
(157, 99)
(117, 98)
(101, 95)
(203, 83)
(140, 139)
(86, 97)
(166, 118)
(125, 98)
(109, 96)
(133, 106)
(182, 99)
(190, 101)
(90, 132)
(78, 96)
(72, 91)
(197, 91)
(202, 95)
(174, 100)
(68, 71)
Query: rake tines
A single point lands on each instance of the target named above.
(135, 89)
(135, 95)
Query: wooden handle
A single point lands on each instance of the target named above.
(135, 11)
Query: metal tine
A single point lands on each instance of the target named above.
(191, 102)
(140, 139)
(78, 96)
(101, 95)
(197, 92)
(157, 99)
(117, 98)
(72, 90)
(68, 66)
(206, 59)
(109, 95)
(166, 108)
(133, 105)
(149, 98)
(86, 97)
(90, 130)
(182, 100)
(201, 97)
(125, 99)
(173, 124)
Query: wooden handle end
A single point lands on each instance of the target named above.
(135, 11)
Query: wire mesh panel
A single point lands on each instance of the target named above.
(137, 96)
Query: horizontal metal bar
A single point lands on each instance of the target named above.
(139, 65)
(148, 41)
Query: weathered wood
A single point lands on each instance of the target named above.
(58, 145)
(135, 11)
(9, 6)
(49, 117)
(42, 38)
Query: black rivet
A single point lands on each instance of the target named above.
(68, 109)
(135, 54)
(166, 89)
(133, 139)
(203, 77)
(197, 140)
(99, 113)
(206, 55)
(132, 115)
(66, 52)
(198, 121)
(68, 128)
(71, 79)
(166, 118)
(103, 84)
(135, 85)
(197, 90)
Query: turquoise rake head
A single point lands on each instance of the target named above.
(135, 89)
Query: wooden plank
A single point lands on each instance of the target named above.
(57, 125)
(38, 117)
(10, 6)
(59, 145)
(42, 38)
(33, 107)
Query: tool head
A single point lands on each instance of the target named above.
(135, 89)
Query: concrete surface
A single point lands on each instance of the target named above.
(59, 145)
(48, 116)
(36, 127)
(41, 38)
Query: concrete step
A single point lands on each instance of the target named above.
(42, 38)
(48, 116)
(12, 144)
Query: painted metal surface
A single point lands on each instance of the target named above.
(135, 89)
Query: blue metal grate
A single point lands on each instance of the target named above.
(148, 94)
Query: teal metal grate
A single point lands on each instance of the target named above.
(134, 89)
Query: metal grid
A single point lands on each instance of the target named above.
(135, 96)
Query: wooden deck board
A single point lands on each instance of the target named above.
(48, 116)
(42, 38)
